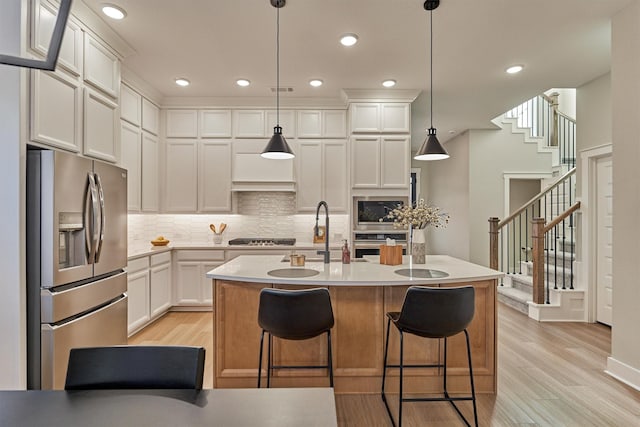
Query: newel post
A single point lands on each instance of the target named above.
(493, 242)
(537, 235)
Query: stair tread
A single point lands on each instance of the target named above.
(514, 293)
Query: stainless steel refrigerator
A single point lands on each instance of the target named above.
(76, 253)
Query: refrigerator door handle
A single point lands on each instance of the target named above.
(102, 218)
(94, 206)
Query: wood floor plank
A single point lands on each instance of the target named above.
(549, 374)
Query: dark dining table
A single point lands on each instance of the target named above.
(159, 408)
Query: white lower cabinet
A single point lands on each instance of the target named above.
(148, 289)
(192, 287)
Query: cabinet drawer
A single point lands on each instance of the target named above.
(137, 264)
(200, 255)
(160, 258)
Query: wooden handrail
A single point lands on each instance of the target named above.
(557, 220)
(535, 199)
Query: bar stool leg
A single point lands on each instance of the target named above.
(269, 362)
(260, 360)
(473, 390)
(444, 375)
(401, 378)
(386, 351)
(330, 358)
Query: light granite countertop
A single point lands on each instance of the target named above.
(256, 268)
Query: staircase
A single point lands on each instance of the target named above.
(513, 236)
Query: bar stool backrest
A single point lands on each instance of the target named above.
(135, 367)
(436, 312)
(295, 314)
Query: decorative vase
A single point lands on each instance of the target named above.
(418, 246)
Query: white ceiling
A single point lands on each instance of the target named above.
(561, 43)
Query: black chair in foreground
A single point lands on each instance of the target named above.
(432, 313)
(135, 367)
(294, 315)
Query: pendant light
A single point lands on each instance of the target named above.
(431, 148)
(277, 148)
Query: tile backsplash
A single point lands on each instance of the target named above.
(260, 214)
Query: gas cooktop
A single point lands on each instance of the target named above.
(262, 241)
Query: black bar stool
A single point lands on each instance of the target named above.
(294, 315)
(432, 313)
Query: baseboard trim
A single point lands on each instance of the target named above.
(623, 372)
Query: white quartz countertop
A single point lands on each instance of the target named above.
(255, 268)
(146, 249)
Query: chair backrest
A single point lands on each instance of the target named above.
(135, 367)
(295, 314)
(437, 312)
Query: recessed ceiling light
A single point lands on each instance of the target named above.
(113, 11)
(514, 69)
(182, 82)
(349, 39)
(243, 82)
(315, 82)
(389, 83)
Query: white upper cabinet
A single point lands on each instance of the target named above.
(380, 162)
(372, 117)
(101, 127)
(182, 123)
(215, 123)
(149, 177)
(44, 17)
(335, 179)
(249, 123)
(322, 175)
(130, 105)
(101, 67)
(56, 110)
(130, 159)
(150, 117)
(309, 164)
(181, 176)
(214, 174)
(322, 124)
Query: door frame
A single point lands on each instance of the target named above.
(589, 232)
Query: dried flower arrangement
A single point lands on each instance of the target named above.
(419, 216)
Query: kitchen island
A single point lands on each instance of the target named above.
(361, 294)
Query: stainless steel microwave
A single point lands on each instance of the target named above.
(372, 212)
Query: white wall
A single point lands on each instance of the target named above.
(448, 188)
(566, 100)
(625, 100)
(12, 283)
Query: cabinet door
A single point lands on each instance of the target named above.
(365, 117)
(101, 67)
(334, 124)
(188, 283)
(215, 124)
(181, 177)
(160, 289)
(335, 179)
(287, 123)
(206, 283)
(249, 124)
(101, 124)
(395, 117)
(149, 186)
(150, 116)
(138, 302)
(130, 105)
(56, 110)
(182, 123)
(309, 124)
(395, 163)
(214, 172)
(43, 20)
(365, 162)
(131, 152)
(309, 164)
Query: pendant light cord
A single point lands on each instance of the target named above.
(277, 66)
(431, 60)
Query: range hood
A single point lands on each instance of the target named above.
(252, 172)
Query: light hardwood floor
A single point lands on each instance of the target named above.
(549, 374)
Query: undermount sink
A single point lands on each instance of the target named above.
(293, 272)
(421, 273)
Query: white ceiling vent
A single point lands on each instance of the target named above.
(282, 89)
